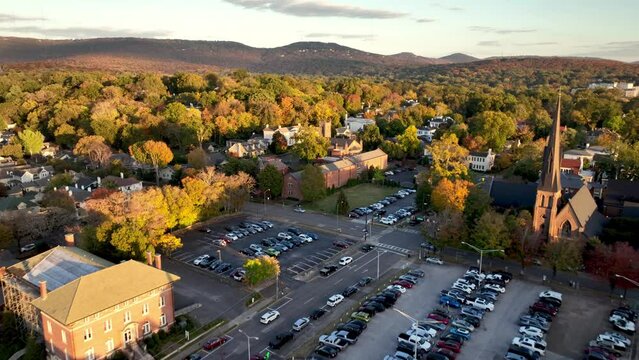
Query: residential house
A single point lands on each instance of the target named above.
(49, 150)
(343, 132)
(621, 198)
(91, 310)
(292, 185)
(273, 160)
(427, 133)
(246, 148)
(341, 147)
(167, 173)
(572, 166)
(580, 154)
(438, 121)
(23, 176)
(21, 202)
(355, 124)
(126, 185)
(288, 133)
(481, 161)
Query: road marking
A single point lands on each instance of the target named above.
(288, 300)
(339, 281)
(309, 300)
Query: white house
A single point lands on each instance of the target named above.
(288, 132)
(481, 161)
(438, 121)
(167, 173)
(355, 124)
(426, 133)
(24, 176)
(126, 185)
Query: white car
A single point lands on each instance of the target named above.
(434, 260)
(617, 336)
(284, 236)
(495, 287)
(463, 288)
(255, 248)
(301, 323)
(465, 282)
(551, 294)
(430, 332)
(269, 316)
(345, 260)
(399, 288)
(613, 339)
(389, 173)
(305, 238)
(267, 223)
(200, 259)
(482, 304)
(339, 343)
(335, 300)
(231, 236)
(28, 247)
(497, 277)
(299, 210)
(532, 332)
(387, 220)
(624, 325)
(536, 346)
(475, 274)
(420, 332)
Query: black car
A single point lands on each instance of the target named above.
(360, 323)
(471, 320)
(353, 215)
(409, 349)
(523, 352)
(328, 269)
(223, 267)
(327, 351)
(367, 247)
(268, 242)
(297, 241)
(368, 310)
(247, 252)
(316, 314)
(389, 294)
(383, 300)
(350, 291)
(364, 281)
(350, 328)
(378, 306)
(453, 337)
(294, 231)
(280, 340)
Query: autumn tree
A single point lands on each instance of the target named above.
(494, 127)
(563, 254)
(278, 144)
(271, 179)
(60, 199)
(13, 150)
(197, 158)
(409, 143)
(181, 210)
(490, 231)
(451, 195)
(154, 153)
(309, 144)
(94, 148)
(7, 240)
(620, 258)
(312, 185)
(32, 141)
(261, 269)
(449, 158)
(370, 137)
(341, 204)
(450, 229)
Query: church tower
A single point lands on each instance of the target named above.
(549, 189)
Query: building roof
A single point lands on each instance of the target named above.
(570, 163)
(360, 120)
(585, 209)
(480, 153)
(12, 202)
(513, 195)
(101, 290)
(619, 191)
(120, 182)
(579, 152)
(336, 165)
(296, 175)
(365, 156)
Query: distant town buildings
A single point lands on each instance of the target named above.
(246, 148)
(356, 124)
(628, 89)
(288, 133)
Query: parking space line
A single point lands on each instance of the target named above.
(309, 300)
(283, 304)
(208, 353)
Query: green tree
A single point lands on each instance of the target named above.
(261, 269)
(59, 199)
(7, 240)
(563, 255)
(310, 145)
(409, 143)
(278, 144)
(312, 185)
(477, 203)
(32, 141)
(154, 153)
(493, 126)
(370, 137)
(490, 231)
(342, 203)
(34, 350)
(423, 195)
(271, 179)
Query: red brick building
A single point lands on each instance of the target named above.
(99, 313)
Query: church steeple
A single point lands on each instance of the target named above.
(551, 168)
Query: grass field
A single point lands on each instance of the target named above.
(360, 195)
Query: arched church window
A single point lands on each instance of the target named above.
(566, 229)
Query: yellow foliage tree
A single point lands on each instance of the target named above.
(261, 269)
(449, 158)
(154, 153)
(450, 195)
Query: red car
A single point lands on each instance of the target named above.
(450, 355)
(453, 346)
(439, 318)
(214, 344)
(544, 307)
(403, 283)
(340, 244)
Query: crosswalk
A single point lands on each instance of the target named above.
(396, 249)
(409, 231)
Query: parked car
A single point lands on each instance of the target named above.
(537, 346)
(532, 332)
(364, 281)
(334, 341)
(318, 313)
(328, 351)
(345, 260)
(340, 244)
(327, 270)
(335, 300)
(358, 315)
(299, 209)
(482, 304)
(449, 345)
(269, 316)
(199, 259)
(544, 308)
(280, 340)
(438, 317)
(215, 343)
(465, 333)
(350, 290)
(449, 301)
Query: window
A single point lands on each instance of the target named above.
(64, 336)
(108, 325)
(88, 334)
(90, 354)
(145, 309)
(162, 302)
(127, 317)
(147, 327)
(109, 345)
(49, 326)
(162, 320)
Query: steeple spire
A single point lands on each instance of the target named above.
(551, 169)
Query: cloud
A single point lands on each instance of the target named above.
(493, 30)
(318, 8)
(342, 36)
(81, 32)
(446, 7)
(489, 43)
(424, 20)
(542, 43)
(14, 18)
(623, 50)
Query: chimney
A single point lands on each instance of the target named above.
(69, 240)
(43, 289)
(121, 175)
(149, 258)
(158, 261)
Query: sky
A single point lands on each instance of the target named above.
(482, 28)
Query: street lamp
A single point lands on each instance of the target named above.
(481, 253)
(248, 341)
(378, 253)
(411, 319)
(219, 254)
(264, 204)
(627, 279)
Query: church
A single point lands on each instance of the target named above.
(557, 214)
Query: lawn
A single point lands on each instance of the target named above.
(360, 195)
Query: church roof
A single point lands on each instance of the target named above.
(550, 171)
(585, 209)
(513, 195)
